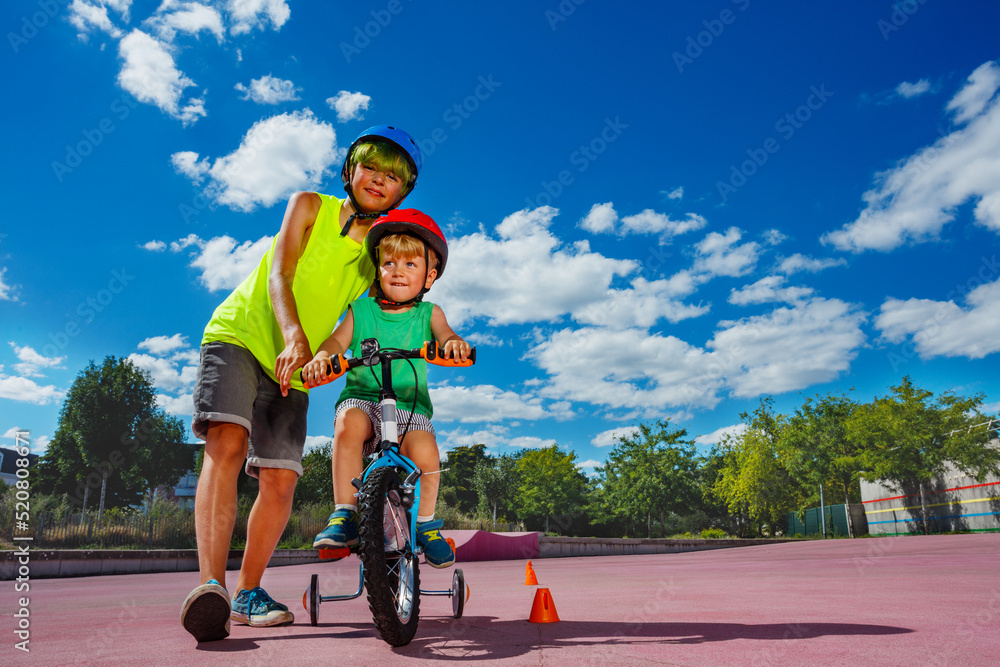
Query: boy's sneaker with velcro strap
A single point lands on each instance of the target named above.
(437, 551)
(341, 531)
(255, 607)
(205, 612)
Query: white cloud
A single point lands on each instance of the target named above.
(484, 403)
(647, 372)
(178, 406)
(676, 193)
(87, 17)
(348, 105)
(164, 373)
(269, 90)
(799, 262)
(642, 304)
(590, 463)
(628, 368)
(486, 340)
(774, 237)
(315, 442)
(154, 246)
(912, 202)
(532, 277)
(943, 328)
(612, 436)
(723, 255)
(224, 264)
(770, 289)
(909, 90)
(186, 242)
(248, 15)
(277, 156)
(151, 76)
(31, 361)
(174, 16)
(6, 290)
(719, 434)
(789, 348)
(603, 219)
(27, 391)
(160, 345)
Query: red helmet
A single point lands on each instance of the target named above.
(413, 222)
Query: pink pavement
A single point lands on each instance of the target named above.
(888, 601)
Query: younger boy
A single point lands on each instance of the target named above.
(409, 252)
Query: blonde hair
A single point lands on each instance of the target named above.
(406, 246)
(383, 157)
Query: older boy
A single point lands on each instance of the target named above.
(248, 407)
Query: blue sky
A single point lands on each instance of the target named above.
(665, 211)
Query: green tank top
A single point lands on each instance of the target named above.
(332, 271)
(403, 330)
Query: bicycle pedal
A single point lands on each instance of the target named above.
(334, 554)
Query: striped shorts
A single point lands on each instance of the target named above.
(405, 421)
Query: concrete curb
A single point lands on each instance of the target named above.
(47, 564)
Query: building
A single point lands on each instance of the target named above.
(8, 464)
(953, 501)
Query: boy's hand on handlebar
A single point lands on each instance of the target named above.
(456, 348)
(323, 369)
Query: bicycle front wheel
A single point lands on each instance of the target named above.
(392, 576)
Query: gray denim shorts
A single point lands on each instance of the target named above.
(232, 387)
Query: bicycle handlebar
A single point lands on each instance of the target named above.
(431, 352)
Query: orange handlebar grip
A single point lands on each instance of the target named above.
(432, 353)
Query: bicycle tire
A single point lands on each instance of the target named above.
(391, 571)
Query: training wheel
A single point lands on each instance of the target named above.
(460, 592)
(310, 600)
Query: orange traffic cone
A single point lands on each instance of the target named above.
(543, 609)
(529, 576)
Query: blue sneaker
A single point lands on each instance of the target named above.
(205, 612)
(437, 552)
(255, 607)
(341, 531)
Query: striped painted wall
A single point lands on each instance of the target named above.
(955, 501)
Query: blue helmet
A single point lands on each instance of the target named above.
(393, 136)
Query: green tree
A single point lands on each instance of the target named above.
(910, 436)
(650, 474)
(316, 483)
(496, 483)
(550, 484)
(112, 439)
(753, 479)
(817, 450)
(457, 481)
(161, 456)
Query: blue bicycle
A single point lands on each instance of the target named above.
(388, 493)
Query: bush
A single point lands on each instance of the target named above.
(713, 534)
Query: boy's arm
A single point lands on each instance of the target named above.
(338, 343)
(300, 215)
(453, 345)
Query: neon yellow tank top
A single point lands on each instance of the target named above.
(332, 272)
